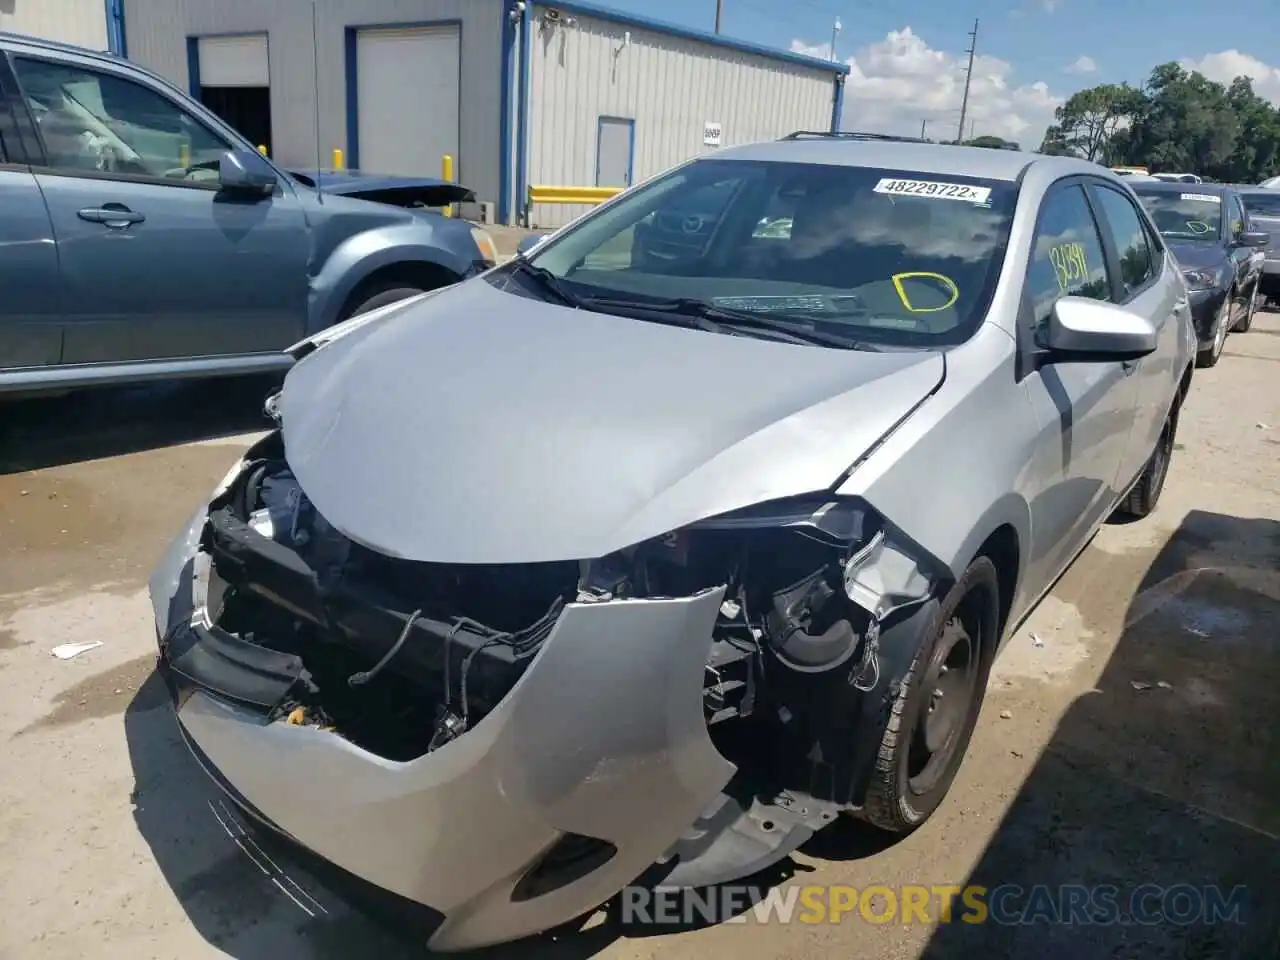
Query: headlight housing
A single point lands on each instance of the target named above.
(484, 243)
(788, 568)
(1201, 279)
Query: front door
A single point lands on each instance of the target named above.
(155, 262)
(1084, 410)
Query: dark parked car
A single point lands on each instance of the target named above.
(1208, 231)
(1262, 207)
(144, 238)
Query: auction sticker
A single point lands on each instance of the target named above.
(1204, 197)
(933, 189)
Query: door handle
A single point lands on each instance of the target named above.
(114, 215)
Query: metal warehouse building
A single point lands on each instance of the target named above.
(517, 93)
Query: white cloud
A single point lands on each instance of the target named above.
(900, 81)
(1229, 64)
(1082, 64)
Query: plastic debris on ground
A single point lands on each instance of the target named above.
(69, 651)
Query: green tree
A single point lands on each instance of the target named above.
(1090, 118)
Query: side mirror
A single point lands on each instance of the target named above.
(245, 172)
(1081, 330)
(529, 244)
(1254, 238)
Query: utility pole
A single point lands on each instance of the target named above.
(923, 125)
(835, 29)
(968, 75)
(719, 7)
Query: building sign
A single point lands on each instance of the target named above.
(711, 133)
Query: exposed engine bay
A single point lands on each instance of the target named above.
(401, 657)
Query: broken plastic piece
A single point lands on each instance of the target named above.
(69, 651)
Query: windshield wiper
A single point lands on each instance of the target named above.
(548, 281)
(707, 316)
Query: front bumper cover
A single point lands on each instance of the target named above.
(603, 737)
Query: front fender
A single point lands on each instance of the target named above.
(359, 256)
(956, 470)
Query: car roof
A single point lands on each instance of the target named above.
(933, 158)
(1165, 186)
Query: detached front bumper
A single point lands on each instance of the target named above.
(601, 745)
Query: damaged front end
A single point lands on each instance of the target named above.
(512, 744)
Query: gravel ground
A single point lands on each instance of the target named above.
(1129, 736)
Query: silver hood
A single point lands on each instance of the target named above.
(477, 426)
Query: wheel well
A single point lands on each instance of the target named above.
(1001, 548)
(420, 274)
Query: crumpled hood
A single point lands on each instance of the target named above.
(478, 426)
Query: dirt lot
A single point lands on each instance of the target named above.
(1130, 736)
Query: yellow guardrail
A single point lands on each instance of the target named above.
(548, 194)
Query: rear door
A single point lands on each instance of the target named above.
(1144, 283)
(155, 262)
(30, 331)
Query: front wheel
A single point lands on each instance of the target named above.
(1210, 355)
(380, 297)
(933, 717)
(1245, 322)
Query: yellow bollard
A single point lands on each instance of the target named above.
(262, 149)
(337, 160)
(184, 155)
(446, 171)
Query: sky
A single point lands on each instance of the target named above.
(907, 59)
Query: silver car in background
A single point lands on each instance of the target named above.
(646, 555)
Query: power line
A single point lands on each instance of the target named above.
(968, 76)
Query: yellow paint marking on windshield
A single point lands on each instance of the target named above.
(947, 282)
(1199, 226)
(1069, 263)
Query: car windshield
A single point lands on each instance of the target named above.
(1184, 215)
(1262, 204)
(888, 257)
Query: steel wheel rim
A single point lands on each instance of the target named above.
(951, 683)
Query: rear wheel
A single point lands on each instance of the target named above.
(1142, 499)
(933, 718)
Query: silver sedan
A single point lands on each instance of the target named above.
(641, 558)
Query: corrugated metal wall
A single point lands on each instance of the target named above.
(157, 32)
(670, 86)
(82, 22)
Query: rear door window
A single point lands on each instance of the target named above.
(1124, 227)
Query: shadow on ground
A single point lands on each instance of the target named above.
(90, 424)
(1167, 774)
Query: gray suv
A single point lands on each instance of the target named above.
(144, 238)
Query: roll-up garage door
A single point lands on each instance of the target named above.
(408, 87)
(234, 61)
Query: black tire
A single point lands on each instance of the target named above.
(1245, 322)
(1142, 499)
(1210, 356)
(379, 297)
(967, 622)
